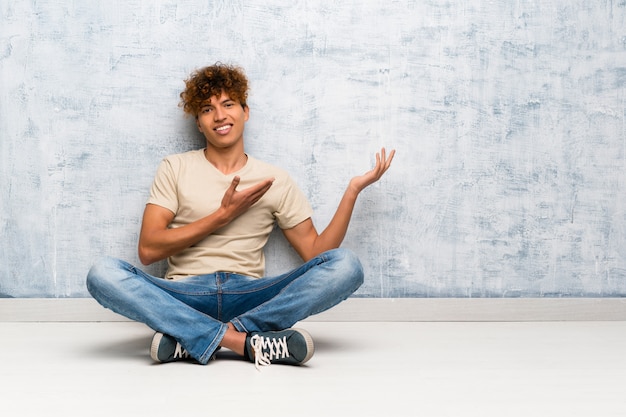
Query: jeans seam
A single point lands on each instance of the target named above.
(219, 292)
(239, 325)
(206, 355)
(271, 281)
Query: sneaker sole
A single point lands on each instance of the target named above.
(310, 347)
(156, 341)
(154, 347)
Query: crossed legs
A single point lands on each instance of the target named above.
(223, 309)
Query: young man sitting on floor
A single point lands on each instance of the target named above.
(210, 213)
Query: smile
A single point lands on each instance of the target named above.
(224, 128)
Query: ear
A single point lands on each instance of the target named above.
(198, 124)
(246, 112)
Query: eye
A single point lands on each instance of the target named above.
(205, 110)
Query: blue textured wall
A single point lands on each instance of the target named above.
(509, 118)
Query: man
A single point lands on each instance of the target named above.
(210, 213)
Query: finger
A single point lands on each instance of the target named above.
(232, 189)
(377, 164)
(257, 191)
(390, 158)
(381, 159)
(253, 198)
(235, 183)
(386, 160)
(261, 185)
(383, 162)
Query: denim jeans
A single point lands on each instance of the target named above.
(195, 310)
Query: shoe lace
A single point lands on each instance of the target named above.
(179, 352)
(267, 349)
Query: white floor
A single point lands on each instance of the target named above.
(359, 369)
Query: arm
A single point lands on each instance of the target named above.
(157, 241)
(304, 237)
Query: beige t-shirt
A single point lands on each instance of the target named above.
(191, 187)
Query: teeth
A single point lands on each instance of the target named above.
(219, 129)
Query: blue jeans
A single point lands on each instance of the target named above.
(195, 310)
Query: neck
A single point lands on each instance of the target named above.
(226, 162)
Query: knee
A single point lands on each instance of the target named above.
(349, 267)
(101, 275)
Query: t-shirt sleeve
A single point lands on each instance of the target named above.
(294, 207)
(163, 191)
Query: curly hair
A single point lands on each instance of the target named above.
(212, 81)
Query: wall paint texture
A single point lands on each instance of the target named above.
(508, 117)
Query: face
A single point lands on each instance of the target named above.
(222, 121)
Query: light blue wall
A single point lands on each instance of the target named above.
(509, 119)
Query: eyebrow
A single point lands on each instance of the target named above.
(208, 104)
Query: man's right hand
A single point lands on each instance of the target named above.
(235, 203)
(157, 241)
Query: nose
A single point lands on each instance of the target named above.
(218, 114)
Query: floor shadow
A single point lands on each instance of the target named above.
(132, 348)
